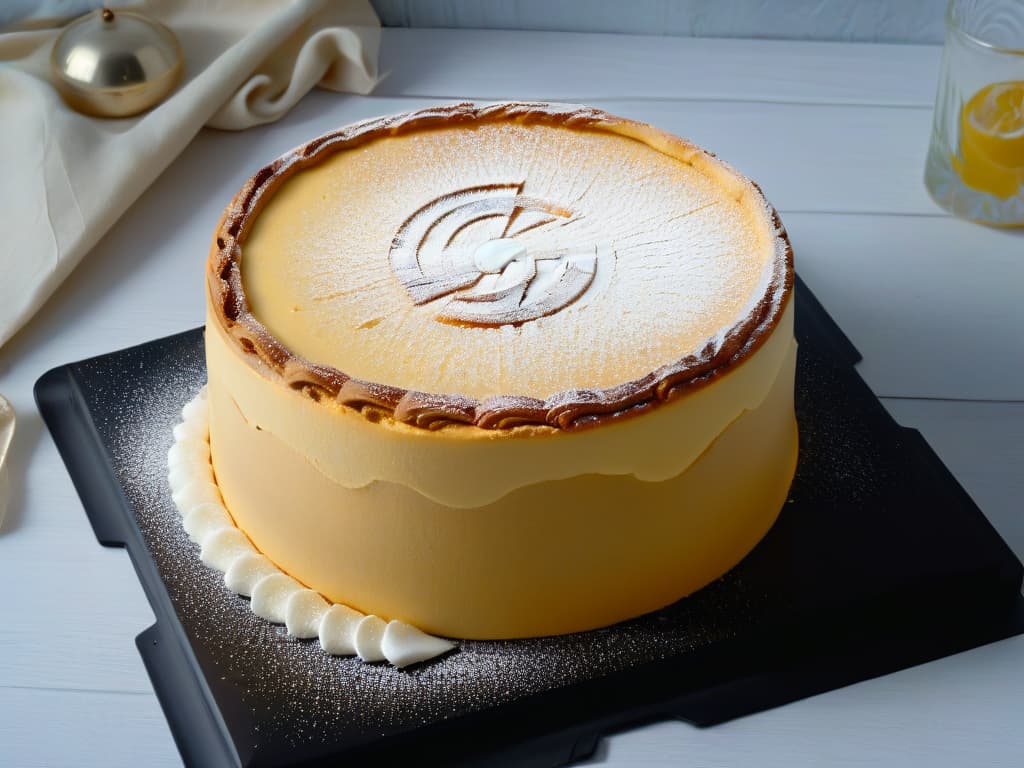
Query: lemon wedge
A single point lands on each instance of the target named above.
(992, 140)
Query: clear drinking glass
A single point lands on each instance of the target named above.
(975, 166)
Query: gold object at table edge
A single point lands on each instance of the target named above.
(7, 421)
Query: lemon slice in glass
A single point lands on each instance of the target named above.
(992, 140)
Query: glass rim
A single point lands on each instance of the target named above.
(954, 26)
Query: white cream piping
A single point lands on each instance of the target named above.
(274, 595)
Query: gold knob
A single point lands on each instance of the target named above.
(119, 64)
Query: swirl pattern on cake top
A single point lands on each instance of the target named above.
(467, 245)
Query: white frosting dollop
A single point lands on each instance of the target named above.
(368, 636)
(403, 644)
(270, 596)
(274, 595)
(304, 612)
(246, 572)
(338, 630)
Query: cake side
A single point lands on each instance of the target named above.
(503, 538)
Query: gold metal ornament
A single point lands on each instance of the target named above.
(6, 435)
(119, 64)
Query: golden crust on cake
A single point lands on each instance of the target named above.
(472, 296)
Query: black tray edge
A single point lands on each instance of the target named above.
(845, 352)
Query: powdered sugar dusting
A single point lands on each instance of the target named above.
(691, 256)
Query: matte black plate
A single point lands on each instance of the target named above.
(879, 561)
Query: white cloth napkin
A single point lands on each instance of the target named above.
(66, 178)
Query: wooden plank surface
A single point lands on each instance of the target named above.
(937, 714)
(74, 729)
(933, 305)
(500, 64)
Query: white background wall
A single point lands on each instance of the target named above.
(891, 21)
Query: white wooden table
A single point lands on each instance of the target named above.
(835, 133)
